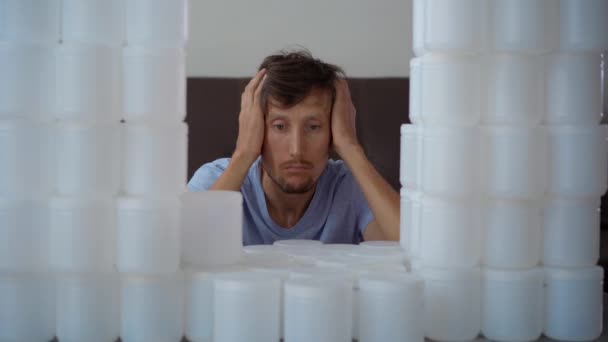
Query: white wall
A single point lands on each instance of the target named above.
(368, 38)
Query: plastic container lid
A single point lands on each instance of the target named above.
(180, 128)
(323, 286)
(262, 249)
(505, 130)
(246, 281)
(450, 274)
(390, 282)
(297, 243)
(459, 132)
(573, 201)
(75, 203)
(381, 245)
(144, 51)
(534, 275)
(410, 129)
(147, 203)
(578, 129)
(583, 273)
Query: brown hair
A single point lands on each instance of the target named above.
(292, 75)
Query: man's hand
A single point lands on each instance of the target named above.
(251, 120)
(343, 130)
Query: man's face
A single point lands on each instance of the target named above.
(296, 142)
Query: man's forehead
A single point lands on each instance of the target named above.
(317, 103)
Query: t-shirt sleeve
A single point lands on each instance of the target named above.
(207, 175)
(362, 210)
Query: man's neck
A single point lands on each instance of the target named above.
(285, 209)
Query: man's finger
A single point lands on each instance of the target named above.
(255, 81)
(258, 90)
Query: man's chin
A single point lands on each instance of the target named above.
(294, 189)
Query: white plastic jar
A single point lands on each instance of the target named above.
(452, 303)
(31, 22)
(573, 303)
(512, 233)
(512, 304)
(571, 232)
(157, 23)
(98, 22)
(203, 243)
(148, 235)
(583, 25)
(450, 234)
(415, 105)
(513, 161)
(411, 156)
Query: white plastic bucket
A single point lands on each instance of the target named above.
(88, 307)
(524, 26)
(155, 159)
(26, 158)
(583, 25)
(212, 228)
(574, 88)
(449, 26)
(452, 303)
(571, 232)
(450, 161)
(450, 234)
(512, 234)
(390, 307)
(148, 235)
(152, 308)
(99, 22)
(573, 303)
(27, 85)
(513, 161)
(451, 89)
(30, 21)
(83, 234)
(318, 309)
(515, 89)
(411, 210)
(27, 307)
(89, 83)
(24, 235)
(411, 156)
(578, 161)
(157, 23)
(251, 299)
(154, 84)
(88, 159)
(415, 105)
(512, 304)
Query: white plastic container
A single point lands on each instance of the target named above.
(452, 300)
(411, 204)
(512, 234)
(450, 161)
(28, 81)
(212, 228)
(449, 26)
(199, 302)
(451, 89)
(152, 308)
(388, 246)
(251, 299)
(405, 227)
(83, 234)
(154, 84)
(523, 26)
(99, 22)
(88, 308)
(583, 25)
(148, 235)
(514, 84)
(27, 302)
(415, 108)
(89, 83)
(411, 156)
(512, 304)
(450, 235)
(157, 23)
(88, 158)
(573, 303)
(574, 88)
(578, 161)
(418, 31)
(155, 159)
(30, 21)
(26, 159)
(390, 307)
(513, 161)
(571, 232)
(24, 235)
(297, 243)
(318, 309)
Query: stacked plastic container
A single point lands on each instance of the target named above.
(504, 163)
(148, 212)
(29, 35)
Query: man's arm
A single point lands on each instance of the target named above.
(250, 139)
(382, 199)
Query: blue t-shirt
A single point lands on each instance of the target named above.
(337, 213)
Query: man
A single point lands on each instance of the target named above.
(292, 112)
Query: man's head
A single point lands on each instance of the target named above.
(297, 98)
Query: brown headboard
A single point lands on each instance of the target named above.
(214, 104)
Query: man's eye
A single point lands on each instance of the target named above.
(315, 127)
(280, 127)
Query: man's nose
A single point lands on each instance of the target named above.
(296, 144)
